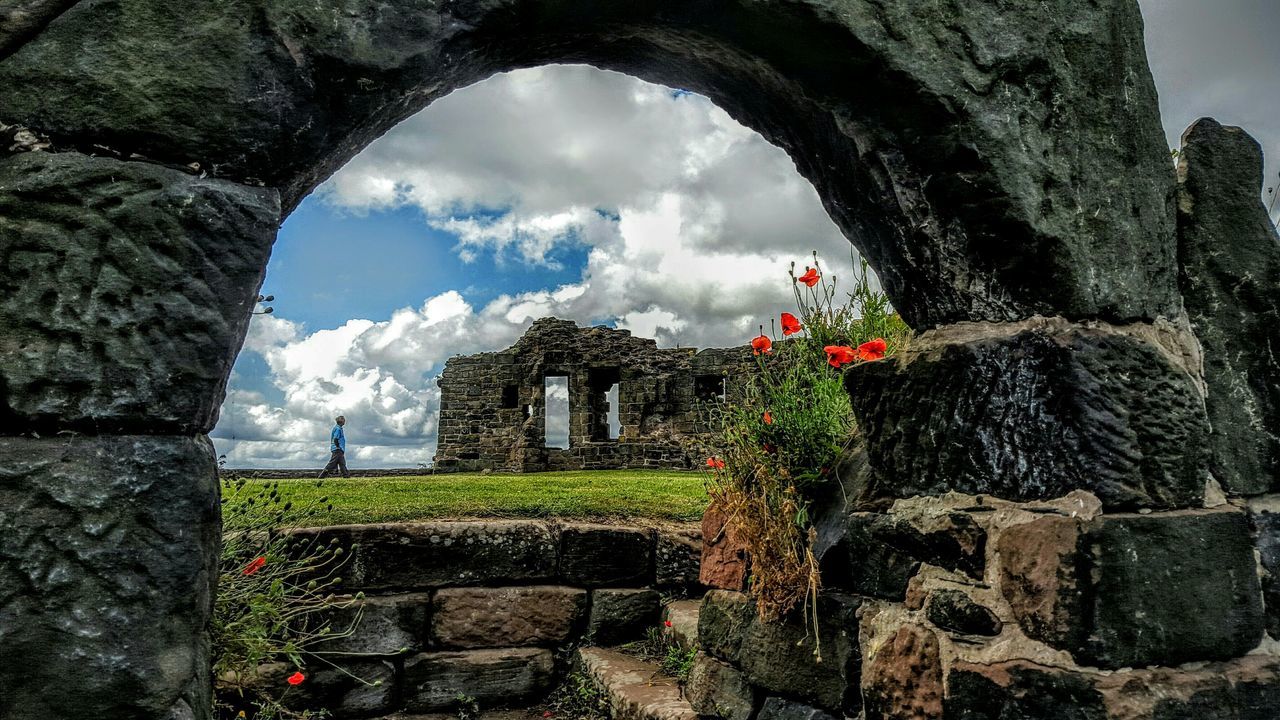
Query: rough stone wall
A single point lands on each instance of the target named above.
(493, 405)
(1043, 521)
(483, 609)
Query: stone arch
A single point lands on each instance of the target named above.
(992, 165)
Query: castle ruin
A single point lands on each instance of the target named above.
(493, 406)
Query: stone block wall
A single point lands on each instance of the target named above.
(485, 609)
(493, 405)
(965, 606)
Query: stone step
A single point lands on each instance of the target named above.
(683, 616)
(635, 689)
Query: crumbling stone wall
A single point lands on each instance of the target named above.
(493, 405)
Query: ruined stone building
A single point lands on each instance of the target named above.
(493, 406)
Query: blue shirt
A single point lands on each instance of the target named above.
(338, 439)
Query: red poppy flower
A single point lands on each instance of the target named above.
(790, 324)
(666, 623)
(768, 418)
(296, 678)
(810, 276)
(548, 714)
(255, 566)
(770, 448)
(761, 344)
(872, 349)
(715, 463)
(838, 355)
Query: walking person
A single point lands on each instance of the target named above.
(337, 449)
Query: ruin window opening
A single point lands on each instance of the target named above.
(510, 397)
(602, 403)
(555, 417)
(709, 388)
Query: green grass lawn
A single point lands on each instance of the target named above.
(595, 494)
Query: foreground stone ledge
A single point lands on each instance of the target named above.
(1133, 590)
(506, 617)
(606, 555)
(1049, 408)
(505, 677)
(633, 691)
(107, 568)
(127, 290)
(441, 554)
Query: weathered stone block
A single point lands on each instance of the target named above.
(901, 673)
(127, 292)
(1246, 688)
(724, 560)
(863, 562)
(776, 708)
(784, 657)
(354, 689)
(435, 681)
(1132, 590)
(717, 689)
(955, 611)
(1033, 414)
(1266, 525)
(606, 555)
(380, 625)
(107, 568)
(413, 556)
(619, 616)
(1229, 273)
(723, 621)
(506, 617)
(683, 616)
(1020, 690)
(677, 558)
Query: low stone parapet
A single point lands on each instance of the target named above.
(462, 611)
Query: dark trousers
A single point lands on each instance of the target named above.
(337, 460)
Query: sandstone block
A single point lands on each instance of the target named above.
(724, 555)
(380, 625)
(724, 619)
(622, 615)
(717, 689)
(678, 558)
(127, 292)
(1033, 415)
(606, 555)
(683, 616)
(506, 617)
(902, 674)
(434, 681)
(107, 570)
(1132, 590)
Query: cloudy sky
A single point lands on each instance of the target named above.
(573, 192)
